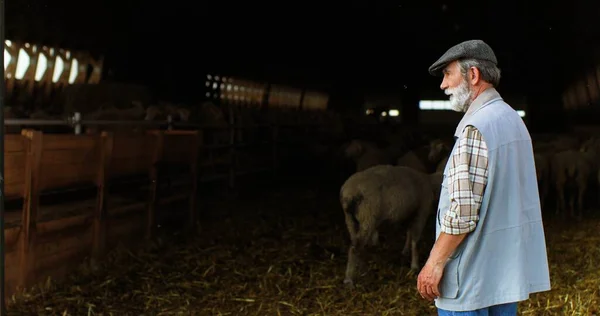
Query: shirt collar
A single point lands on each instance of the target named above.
(482, 100)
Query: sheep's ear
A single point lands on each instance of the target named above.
(359, 148)
(440, 146)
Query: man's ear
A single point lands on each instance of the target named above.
(474, 75)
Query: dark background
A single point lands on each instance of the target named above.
(345, 49)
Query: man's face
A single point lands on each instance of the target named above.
(457, 87)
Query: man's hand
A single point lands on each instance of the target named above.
(431, 274)
(429, 280)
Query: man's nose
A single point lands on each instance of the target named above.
(443, 85)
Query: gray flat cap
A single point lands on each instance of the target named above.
(477, 49)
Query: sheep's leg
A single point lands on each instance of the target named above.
(375, 238)
(355, 251)
(351, 225)
(580, 195)
(414, 260)
(561, 204)
(353, 258)
(351, 266)
(406, 249)
(572, 204)
(416, 228)
(354, 263)
(545, 185)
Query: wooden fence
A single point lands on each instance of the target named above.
(44, 240)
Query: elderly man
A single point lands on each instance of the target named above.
(490, 251)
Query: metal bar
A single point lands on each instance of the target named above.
(69, 122)
(82, 122)
(129, 123)
(2, 92)
(10, 122)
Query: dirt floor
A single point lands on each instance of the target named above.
(282, 251)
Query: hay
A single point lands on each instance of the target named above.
(262, 262)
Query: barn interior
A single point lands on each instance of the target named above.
(187, 158)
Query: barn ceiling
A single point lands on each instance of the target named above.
(379, 46)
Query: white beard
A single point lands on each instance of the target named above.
(460, 97)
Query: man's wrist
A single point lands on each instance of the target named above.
(436, 260)
(443, 248)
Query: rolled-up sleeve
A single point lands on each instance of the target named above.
(467, 179)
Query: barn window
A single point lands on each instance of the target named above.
(438, 105)
(74, 68)
(435, 105)
(7, 58)
(58, 69)
(22, 64)
(41, 67)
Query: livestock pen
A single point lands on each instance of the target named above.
(277, 248)
(71, 198)
(46, 238)
(280, 250)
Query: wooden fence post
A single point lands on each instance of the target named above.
(232, 149)
(193, 216)
(101, 215)
(151, 215)
(275, 140)
(31, 204)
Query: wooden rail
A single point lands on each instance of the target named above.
(46, 243)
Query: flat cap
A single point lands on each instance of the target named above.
(477, 49)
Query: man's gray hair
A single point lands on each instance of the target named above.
(489, 71)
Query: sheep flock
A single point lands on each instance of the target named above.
(402, 186)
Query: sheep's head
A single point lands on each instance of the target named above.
(151, 112)
(437, 148)
(184, 114)
(137, 110)
(209, 109)
(354, 149)
(589, 145)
